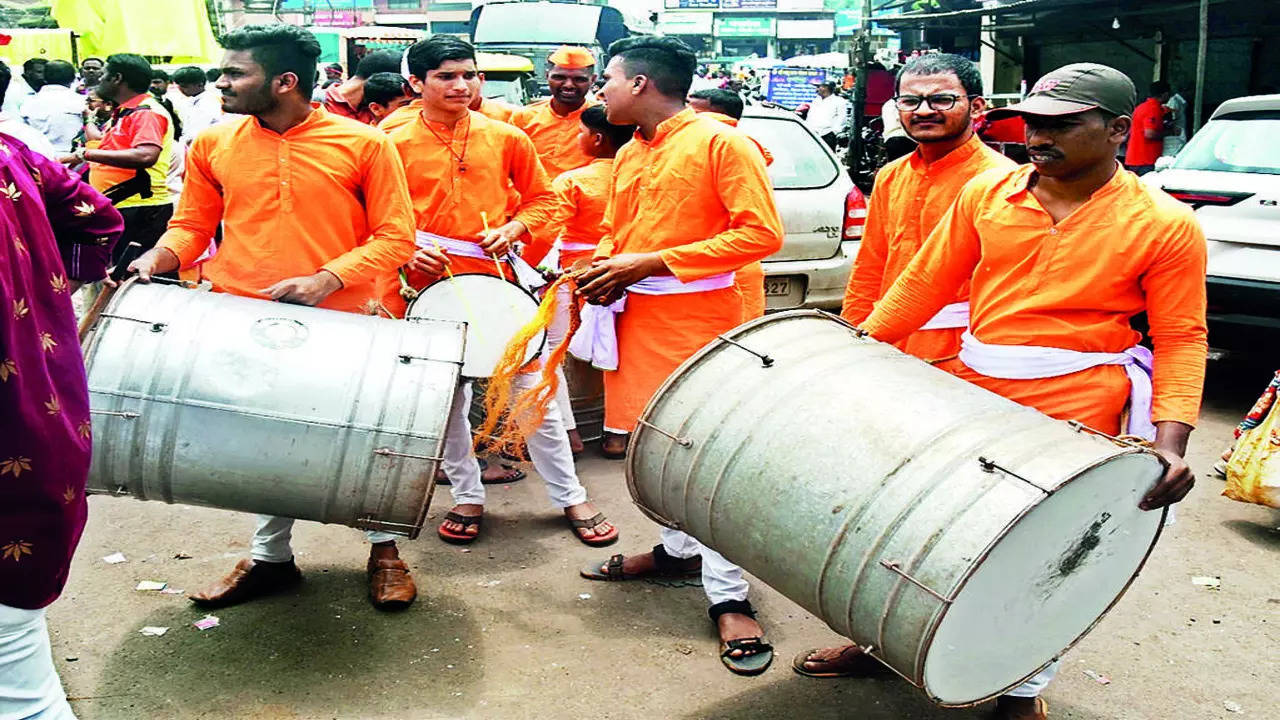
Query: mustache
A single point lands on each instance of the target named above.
(1044, 150)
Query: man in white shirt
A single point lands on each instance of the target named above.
(24, 86)
(828, 113)
(15, 128)
(56, 110)
(198, 107)
(1174, 141)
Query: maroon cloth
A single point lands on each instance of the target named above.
(54, 229)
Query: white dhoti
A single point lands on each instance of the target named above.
(721, 579)
(29, 685)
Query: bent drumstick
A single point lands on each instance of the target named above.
(131, 253)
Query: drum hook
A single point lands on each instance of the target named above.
(765, 360)
(155, 326)
(990, 466)
(682, 442)
(893, 566)
(388, 452)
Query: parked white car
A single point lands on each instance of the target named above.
(822, 214)
(1230, 173)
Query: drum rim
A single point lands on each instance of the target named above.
(936, 622)
(928, 637)
(542, 341)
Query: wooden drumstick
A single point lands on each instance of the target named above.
(131, 252)
(484, 218)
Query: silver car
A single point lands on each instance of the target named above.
(822, 214)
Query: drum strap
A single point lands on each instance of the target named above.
(596, 340)
(1028, 362)
(955, 315)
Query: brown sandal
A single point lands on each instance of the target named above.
(664, 566)
(590, 524)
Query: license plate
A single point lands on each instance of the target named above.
(777, 287)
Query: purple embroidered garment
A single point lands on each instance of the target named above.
(54, 231)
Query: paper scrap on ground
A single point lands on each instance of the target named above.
(170, 591)
(151, 585)
(1232, 706)
(1207, 581)
(153, 631)
(206, 622)
(584, 596)
(1098, 678)
(114, 558)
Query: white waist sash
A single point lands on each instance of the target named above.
(596, 340)
(576, 246)
(955, 315)
(1028, 362)
(526, 276)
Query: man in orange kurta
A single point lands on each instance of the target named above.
(553, 124)
(314, 211)
(913, 192)
(405, 114)
(460, 165)
(727, 107)
(691, 204)
(1061, 254)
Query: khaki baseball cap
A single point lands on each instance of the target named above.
(1076, 88)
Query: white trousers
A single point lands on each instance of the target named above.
(556, 330)
(1037, 683)
(548, 449)
(29, 686)
(721, 579)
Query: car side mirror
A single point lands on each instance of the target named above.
(1164, 162)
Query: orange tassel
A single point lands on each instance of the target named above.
(509, 420)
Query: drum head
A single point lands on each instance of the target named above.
(494, 311)
(1045, 583)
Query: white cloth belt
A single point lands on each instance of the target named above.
(955, 315)
(526, 276)
(1028, 362)
(596, 340)
(576, 246)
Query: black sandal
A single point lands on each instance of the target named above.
(758, 654)
(466, 521)
(664, 566)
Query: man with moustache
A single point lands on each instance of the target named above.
(1061, 254)
(938, 98)
(254, 176)
(553, 124)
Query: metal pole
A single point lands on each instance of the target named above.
(1200, 55)
(861, 58)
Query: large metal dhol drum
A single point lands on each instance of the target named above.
(493, 309)
(966, 539)
(208, 399)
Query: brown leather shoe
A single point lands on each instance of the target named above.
(1010, 708)
(390, 585)
(614, 445)
(248, 581)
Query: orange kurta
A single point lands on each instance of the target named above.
(327, 194)
(750, 279)
(1072, 285)
(578, 214)
(449, 202)
(909, 199)
(555, 136)
(698, 194)
(404, 114)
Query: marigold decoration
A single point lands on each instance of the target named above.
(509, 420)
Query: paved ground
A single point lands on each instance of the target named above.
(507, 631)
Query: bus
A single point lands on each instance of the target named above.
(535, 29)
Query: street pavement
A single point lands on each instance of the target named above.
(507, 629)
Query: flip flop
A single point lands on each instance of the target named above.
(664, 567)
(514, 475)
(757, 662)
(466, 521)
(589, 524)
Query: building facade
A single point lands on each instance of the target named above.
(742, 28)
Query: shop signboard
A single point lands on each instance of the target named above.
(731, 27)
(806, 29)
(790, 86)
(685, 23)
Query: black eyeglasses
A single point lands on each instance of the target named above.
(941, 101)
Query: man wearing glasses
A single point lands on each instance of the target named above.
(938, 98)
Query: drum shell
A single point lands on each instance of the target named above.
(210, 399)
(845, 456)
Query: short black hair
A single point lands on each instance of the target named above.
(189, 75)
(158, 74)
(384, 87)
(379, 61)
(1158, 87)
(279, 49)
(134, 70)
(721, 101)
(33, 63)
(93, 58)
(59, 72)
(965, 70)
(597, 119)
(667, 61)
(429, 54)
(212, 74)
(6, 75)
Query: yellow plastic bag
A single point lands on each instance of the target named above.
(1253, 473)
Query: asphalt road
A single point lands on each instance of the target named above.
(508, 630)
